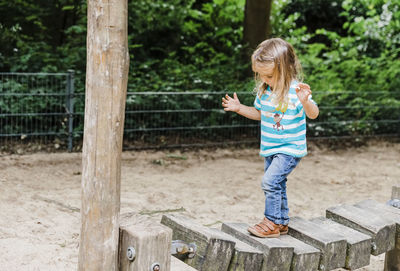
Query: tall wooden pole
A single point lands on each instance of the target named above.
(106, 83)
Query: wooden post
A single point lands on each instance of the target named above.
(106, 83)
(392, 257)
(150, 241)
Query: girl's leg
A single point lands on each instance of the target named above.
(272, 184)
(284, 206)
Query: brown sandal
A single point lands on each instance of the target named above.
(265, 228)
(283, 229)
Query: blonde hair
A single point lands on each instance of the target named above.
(278, 54)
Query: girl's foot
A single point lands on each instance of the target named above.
(283, 229)
(265, 228)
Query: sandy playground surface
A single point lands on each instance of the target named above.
(40, 193)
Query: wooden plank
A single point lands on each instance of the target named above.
(396, 192)
(246, 257)
(382, 230)
(278, 255)
(151, 241)
(178, 265)
(369, 203)
(385, 211)
(305, 257)
(392, 257)
(358, 244)
(106, 84)
(213, 252)
(332, 246)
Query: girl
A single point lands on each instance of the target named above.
(281, 104)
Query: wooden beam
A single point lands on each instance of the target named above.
(305, 257)
(277, 254)
(358, 252)
(213, 252)
(332, 245)
(245, 257)
(106, 83)
(392, 257)
(384, 211)
(150, 240)
(382, 231)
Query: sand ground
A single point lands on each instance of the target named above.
(40, 193)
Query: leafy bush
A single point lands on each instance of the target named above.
(355, 68)
(349, 52)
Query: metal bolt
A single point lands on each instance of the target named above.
(155, 267)
(131, 253)
(192, 250)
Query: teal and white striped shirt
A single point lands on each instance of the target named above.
(283, 126)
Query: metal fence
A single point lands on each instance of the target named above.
(36, 107)
(45, 109)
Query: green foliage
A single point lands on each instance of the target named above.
(352, 63)
(187, 48)
(349, 51)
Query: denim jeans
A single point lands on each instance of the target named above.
(276, 168)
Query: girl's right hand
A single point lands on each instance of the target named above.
(231, 104)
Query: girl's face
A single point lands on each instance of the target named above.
(267, 75)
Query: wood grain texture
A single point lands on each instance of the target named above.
(331, 245)
(358, 251)
(277, 254)
(214, 252)
(152, 243)
(382, 230)
(106, 83)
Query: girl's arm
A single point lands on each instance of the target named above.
(233, 104)
(311, 109)
(303, 92)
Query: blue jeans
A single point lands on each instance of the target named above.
(276, 168)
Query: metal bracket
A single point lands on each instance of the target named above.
(394, 203)
(180, 247)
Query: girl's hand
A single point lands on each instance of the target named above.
(303, 91)
(231, 104)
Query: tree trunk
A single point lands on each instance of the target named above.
(256, 23)
(106, 84)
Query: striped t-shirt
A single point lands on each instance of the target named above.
(283, 126)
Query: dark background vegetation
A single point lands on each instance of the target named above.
(349, 50)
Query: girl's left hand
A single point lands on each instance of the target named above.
(303, 91)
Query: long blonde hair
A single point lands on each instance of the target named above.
(278, 54)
